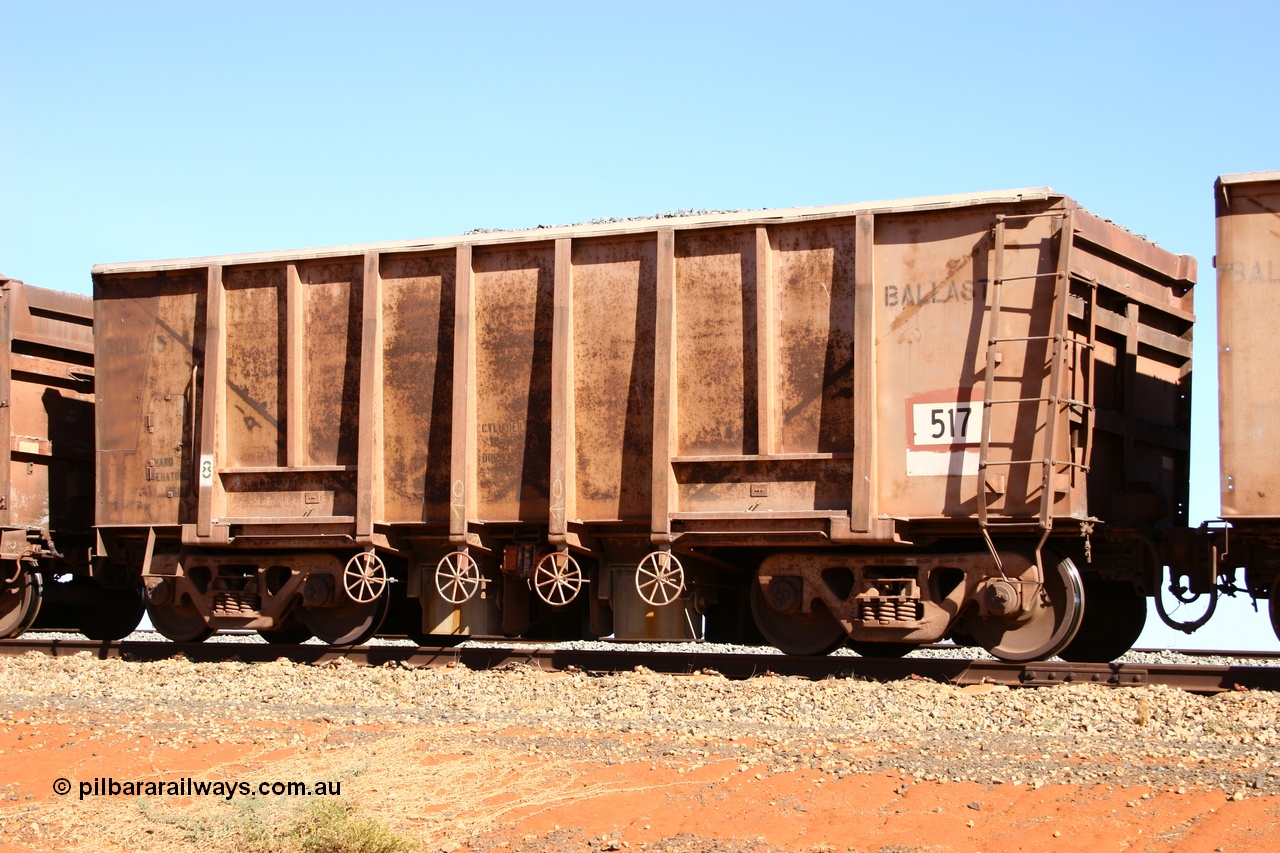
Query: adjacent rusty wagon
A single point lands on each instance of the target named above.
(1248, 267)
(46, 474)
(882, 424)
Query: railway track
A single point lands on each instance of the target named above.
(1197, 678)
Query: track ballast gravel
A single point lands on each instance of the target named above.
(1153, 736)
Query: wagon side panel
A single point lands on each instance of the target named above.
(257, 377)
(149, 332)
(48, 409)
(812, 327)
(513, 291)
(1248, 263)
(614, 314)
(1139, 303)
(418, 310)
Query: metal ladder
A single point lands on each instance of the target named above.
(1049, 408)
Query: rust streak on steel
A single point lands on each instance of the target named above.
(958, 671)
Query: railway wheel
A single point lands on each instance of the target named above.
(1114, 615)
(20, 600)
(181, 623)
(444, 641)
(957, 635)
(115, 616)
(291, 633)
(347, 623)
(1275, 607)
(778, 615)
(1027, 620)
(882, 650)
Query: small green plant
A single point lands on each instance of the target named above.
(323, 828)
(336, 828)
(1052, 724)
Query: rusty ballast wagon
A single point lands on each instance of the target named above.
(46, 473)
(883, 423)
(1248, 271)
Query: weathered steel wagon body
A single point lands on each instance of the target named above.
(887, 422)
(1248, 266)
(46, 469)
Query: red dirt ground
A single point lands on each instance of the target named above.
(718, 805)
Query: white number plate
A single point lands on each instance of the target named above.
(946, 424)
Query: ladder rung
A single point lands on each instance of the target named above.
(1020, 400)
(1015, 525)
(1011, 462)
(1056, 214)
(1065, 340)
(1052, 463)
(993, 341)
(1002, 279)
(1067, 401)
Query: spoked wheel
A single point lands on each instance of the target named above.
(365, 577)
(778, 616)
(660, 578)
(557, 578)
(1028, 620)
(115, 617)
(457, 577)
(291, 633)
(19, 600)
(181, 623)
(347, 623)
(882, 650)
(1114, 615)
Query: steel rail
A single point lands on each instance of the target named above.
(1218, 653)
(522, 642)
(957, 671)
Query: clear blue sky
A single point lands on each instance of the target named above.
(148, 130)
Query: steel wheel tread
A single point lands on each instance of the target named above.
(20, 602)
(1274, 607)
(117, 616)
(181, 623)
(882, 650)
(347, 623)
(815, 633)
(1114, 615)
(291, 633)
(1047, 626)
